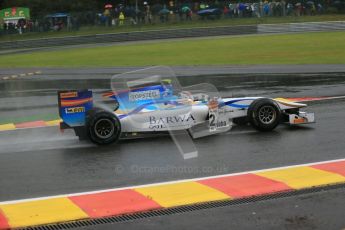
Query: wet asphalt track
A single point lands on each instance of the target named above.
(42, 162)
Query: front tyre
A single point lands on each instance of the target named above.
(264, 114)
(103, 127)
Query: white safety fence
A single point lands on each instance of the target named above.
(301, 27)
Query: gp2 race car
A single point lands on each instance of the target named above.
(153, 106)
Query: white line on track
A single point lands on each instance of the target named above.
(165, 183)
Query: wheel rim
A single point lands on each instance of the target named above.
(104, 128)
(267, 114)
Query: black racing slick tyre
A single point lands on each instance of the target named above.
(102, 127)
(264, 114)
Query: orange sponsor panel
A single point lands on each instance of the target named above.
(69, 94)
(66, 103)
(300, 120)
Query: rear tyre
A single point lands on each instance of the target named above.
(264, 114)
(103, 127)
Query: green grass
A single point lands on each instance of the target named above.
(20, 118)
(306, 48)
(173, 25)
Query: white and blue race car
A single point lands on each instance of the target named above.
(158, 104)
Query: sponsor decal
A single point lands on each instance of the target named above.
(300, 120)
(171, 121)
(218, 117)
(212, 117)
(69, 94)
(75, 110)
(213, 114)
(144, 95)
(67, 103)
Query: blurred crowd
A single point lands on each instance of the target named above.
(45, 24)
(173, 11)
(146, 13)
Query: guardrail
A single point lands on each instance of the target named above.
(174, 33)
(130, 36)
(301, 27)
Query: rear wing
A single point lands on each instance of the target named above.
(73, 106)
